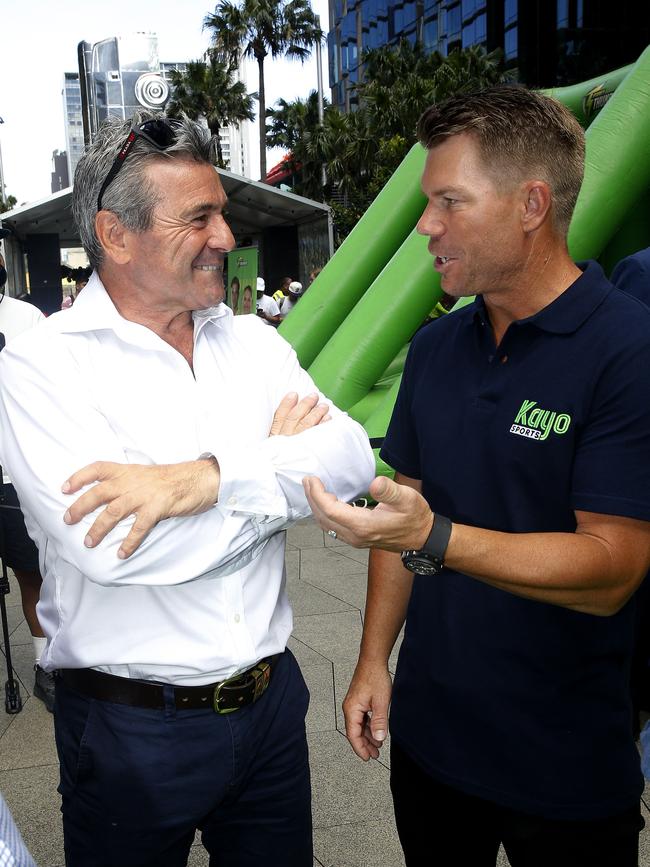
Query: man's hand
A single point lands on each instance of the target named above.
(294, 416)
(151, 493)
(366, 710)
(401, 520)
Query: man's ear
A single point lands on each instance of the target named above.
(536, 204)
(113, 237)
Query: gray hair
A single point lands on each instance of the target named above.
(130, 195)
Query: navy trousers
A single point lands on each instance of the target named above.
(136, 784)
(439, 826)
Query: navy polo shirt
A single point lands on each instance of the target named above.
(520, 702)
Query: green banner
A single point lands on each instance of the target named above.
(242, 276)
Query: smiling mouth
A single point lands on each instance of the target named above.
(208, 267)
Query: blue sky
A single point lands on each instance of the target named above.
(39, 44)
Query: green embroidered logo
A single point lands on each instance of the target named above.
(536, 424)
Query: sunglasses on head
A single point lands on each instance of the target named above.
(160, 132)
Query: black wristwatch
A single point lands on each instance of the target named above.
(430, 559)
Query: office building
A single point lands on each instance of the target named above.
(545, 43)
(74, 133)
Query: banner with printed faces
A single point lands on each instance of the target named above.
(241, 294)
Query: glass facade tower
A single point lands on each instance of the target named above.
(544, 42)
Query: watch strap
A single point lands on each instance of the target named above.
(438, 538)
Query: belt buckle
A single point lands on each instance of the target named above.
(261, 674)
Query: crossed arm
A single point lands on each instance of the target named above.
(154, 493)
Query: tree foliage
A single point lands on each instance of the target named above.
(209, 88)
(259, 29)
(361, 149)
(7, 204)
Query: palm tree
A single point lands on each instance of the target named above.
(290, 120)
(259, 29)
(210, 90)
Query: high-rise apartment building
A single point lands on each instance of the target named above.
(544, 42)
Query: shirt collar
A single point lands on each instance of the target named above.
(93, 310)
(569, 310)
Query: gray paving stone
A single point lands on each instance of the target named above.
(29, 740)
(321, 716)
(34, 802)
(305, 534)
(305, 655)
(198, 856)
(366, 844)
(335, 636)
(348, 586)
(292, 562)
(306, 598)
(358, 554)
(345, 789)
(21, 634)
(502, 860)
(320, 563)
(14, 612)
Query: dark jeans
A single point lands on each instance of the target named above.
(440, 826)
(137, 783)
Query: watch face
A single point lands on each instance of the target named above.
(421, 563)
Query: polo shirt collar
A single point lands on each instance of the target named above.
(93, 310)
(570, 309)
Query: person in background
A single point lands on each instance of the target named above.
(517, 530)
(294, 292)
(312, 276)
(13, 852)
(81, 277)
(16, 548)
(632, 275)
(267, 309)
(280, 294)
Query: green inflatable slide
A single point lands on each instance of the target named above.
(353, 327)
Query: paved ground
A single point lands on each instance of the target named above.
(353, 821)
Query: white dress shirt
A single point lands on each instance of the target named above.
(15, 317)
(203, 596)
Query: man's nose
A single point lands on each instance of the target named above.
(221, 237)
(430, 225)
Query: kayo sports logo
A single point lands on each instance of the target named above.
(536, 424)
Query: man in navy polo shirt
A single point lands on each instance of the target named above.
(521, 441)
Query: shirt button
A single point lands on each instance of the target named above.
(232, 501)
(237, 618)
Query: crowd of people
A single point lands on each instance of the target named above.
(511, 545)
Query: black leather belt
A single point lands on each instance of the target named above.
(223, 697)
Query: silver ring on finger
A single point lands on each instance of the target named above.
(332, 534)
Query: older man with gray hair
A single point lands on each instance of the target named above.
(178, 706)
